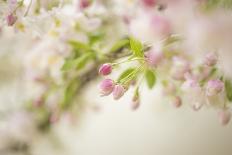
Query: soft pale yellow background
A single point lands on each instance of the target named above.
(156, 128)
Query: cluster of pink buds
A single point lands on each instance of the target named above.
(108, 86)
(117, 89)
(199, 84)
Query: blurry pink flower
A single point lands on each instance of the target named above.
(11, 19)
(105, 69)
(190, 84)
(224, 116)
(169, 89)
(149, 3)
(153, 58)
(84, 4)
(193, 94)
(118, 91)
(160, 25)
(214, 87)
(211, 59)
(106, 87)
(180, 68)
(177, 102)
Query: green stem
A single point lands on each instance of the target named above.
(28, 8)
(131, 75)
(114, 64)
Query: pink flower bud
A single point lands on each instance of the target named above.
(153, 58)
(211, 59)
(135, 102)
(214, 87)
(149, 3)
(224, 116)
(177, 102)
(105, 69)
(11, 19)
(84, 4)
(106, 87)
(118, 91)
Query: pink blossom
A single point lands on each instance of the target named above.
(224, 116)
(149, 3)
(106, 87)
(153, 58)
(180, 68)
(105, 69)
(11, 19)
(160, 25)
(193, 94)
(211, 59)
(118, 91)
(214, 87)
(84, 4)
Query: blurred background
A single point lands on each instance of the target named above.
(34, 49)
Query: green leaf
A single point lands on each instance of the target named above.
(214, 4)
(126, 74)
(172, 39)
(96, 37)
(150, 78)
(79, 45)
(228, 87)
(136, 47)
(120, 44)
(77, 63)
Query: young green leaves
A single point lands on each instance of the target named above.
(77, 63)
(150, 78)
(119, 45)
(228, 89)
(126, 74)
(136, 47)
